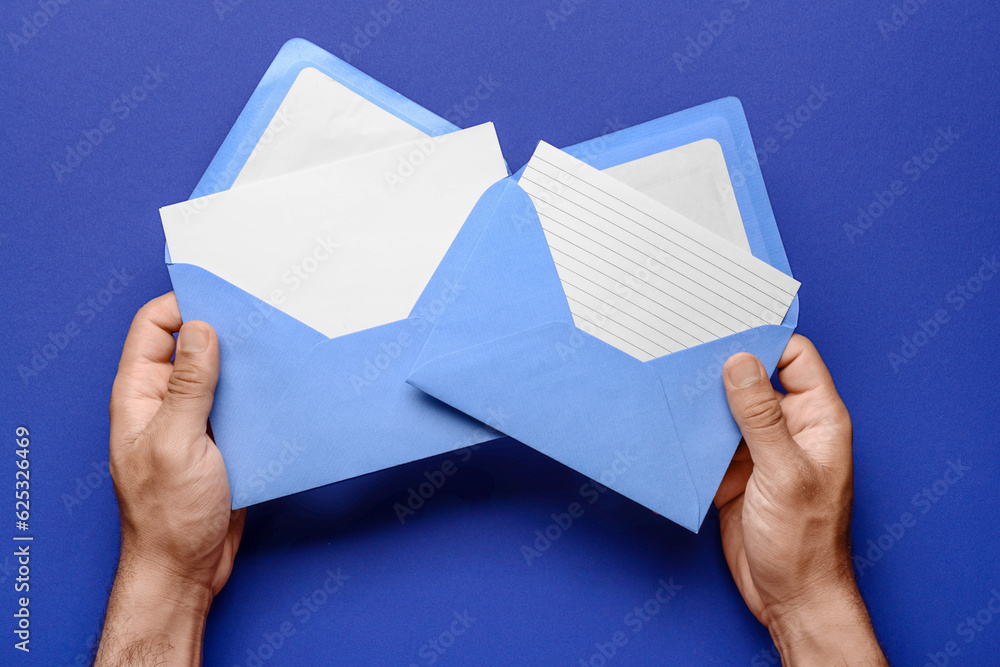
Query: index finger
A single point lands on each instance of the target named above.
(802, 370)
(144, 367)
(151, 336)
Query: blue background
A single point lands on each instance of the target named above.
(606, 66)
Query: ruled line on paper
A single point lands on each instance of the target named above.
(637, 274)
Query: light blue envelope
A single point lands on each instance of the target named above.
(294, 409)
(508, 353)
(296, 55)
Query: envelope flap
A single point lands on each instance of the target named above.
(578, 400)
(347, 412)
(692, 383)
(443, 289)
(294, 409)
(509, 282)
(260, 347)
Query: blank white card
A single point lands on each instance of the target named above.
(639, 275)
(348, 245)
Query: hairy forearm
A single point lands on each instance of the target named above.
(153, 618)
(834, 629)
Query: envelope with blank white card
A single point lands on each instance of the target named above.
(319, 254)
(383, 291)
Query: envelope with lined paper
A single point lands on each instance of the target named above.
(595, 318)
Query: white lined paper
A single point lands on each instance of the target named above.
(637, 274)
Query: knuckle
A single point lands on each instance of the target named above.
(185, 383)
(144, 314)
(804, 340)
(156, 305)
(763, 414)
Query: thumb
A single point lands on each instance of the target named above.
(756, 409)
(191, 387)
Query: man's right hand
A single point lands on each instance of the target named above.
(785, 510)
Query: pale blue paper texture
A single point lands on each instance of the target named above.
(293, 409)
(489, 345)
(658, 432)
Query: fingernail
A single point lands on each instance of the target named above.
(193, 338)
(744, 372)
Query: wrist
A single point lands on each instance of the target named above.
(832, 628)
(151, 582)
(155, 613)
